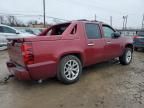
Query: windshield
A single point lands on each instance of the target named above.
(141, 33)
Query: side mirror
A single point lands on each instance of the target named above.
(116, 35)
(17, 32)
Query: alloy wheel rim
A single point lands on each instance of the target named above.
(71, 69)
(128, 56)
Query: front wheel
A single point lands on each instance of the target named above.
(126, 58)
(70, 69)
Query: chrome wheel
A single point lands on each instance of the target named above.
(128, 56)
(71, 69)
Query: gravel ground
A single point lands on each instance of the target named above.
(105, 85)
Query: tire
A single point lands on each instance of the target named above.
(126, 58)
(70, 69)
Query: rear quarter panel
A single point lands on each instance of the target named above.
(47, 54)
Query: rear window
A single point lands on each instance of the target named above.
(92, 31)
(57, 29)
(8, 30)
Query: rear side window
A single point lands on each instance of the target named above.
(74, 30)
(92, 31)
(1, 29)
(57, 29)
(8, 30)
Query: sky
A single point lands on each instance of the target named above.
(78, 9)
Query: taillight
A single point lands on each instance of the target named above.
(27, 53)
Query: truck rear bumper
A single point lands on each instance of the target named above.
(33, 71)
(19, 72)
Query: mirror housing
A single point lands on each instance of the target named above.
(116, 35)
(17, 32)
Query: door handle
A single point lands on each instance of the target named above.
(91, 44)
(108, 42)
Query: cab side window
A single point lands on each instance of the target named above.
(108, 31)
(92, 31)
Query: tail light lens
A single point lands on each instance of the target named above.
(27, 53)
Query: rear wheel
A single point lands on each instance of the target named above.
(70, 69)
(126, 58)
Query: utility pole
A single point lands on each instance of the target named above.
(44, 14)
(111, 20)
(126, 21)
(95, 17)
(143, 22)
(1, 19)
(123, 21)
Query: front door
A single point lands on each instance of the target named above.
(112, 45)
(95, 43)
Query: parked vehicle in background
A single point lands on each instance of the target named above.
(3, 43)
(10, 32)
(139, 40)
(34, 31)
(64, 49)
(128, 32)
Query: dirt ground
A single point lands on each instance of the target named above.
(105, 85)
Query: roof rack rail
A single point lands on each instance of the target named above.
(97, 21)
(94, 21)
(89, 20)
(82, 20)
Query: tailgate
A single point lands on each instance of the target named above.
(15, 52)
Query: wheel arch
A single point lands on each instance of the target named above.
(129, 46)
(77, 54)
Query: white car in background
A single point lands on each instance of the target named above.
(10, 32)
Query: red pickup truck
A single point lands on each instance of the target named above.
(64, 49)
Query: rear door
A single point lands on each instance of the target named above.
(95, 43)
(112, 47)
